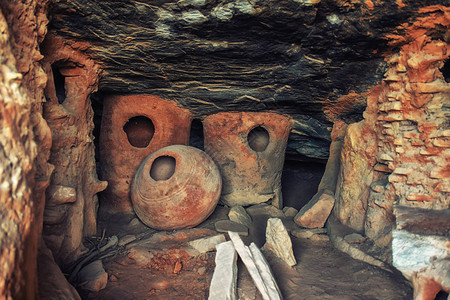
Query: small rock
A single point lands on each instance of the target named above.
(308, 233)
(290, 212)
(239, 215)
(201, 271)
(141, 255)
(279, 242)
(134, 222)
(265, 209)
(226, 225)
(93, 277)
(208, 243)
(316, 212)
(320, 238)
(354, 238)
(113, 278)
(127, 239)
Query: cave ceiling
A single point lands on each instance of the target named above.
(294, 56)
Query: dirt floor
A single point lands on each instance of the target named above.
(159, 265)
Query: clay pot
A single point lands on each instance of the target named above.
(176, 187)
(133, 127)
(249, 149)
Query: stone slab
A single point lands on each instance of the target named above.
(227, 225)
(279, 242)
(223, 282)
(239, 215)
(208, 243)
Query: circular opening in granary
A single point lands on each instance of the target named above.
(163, 168)
(139, 131)
(258, 139)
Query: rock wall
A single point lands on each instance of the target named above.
(71, 207)
(25, 142)
(399, 153)
(295, 57)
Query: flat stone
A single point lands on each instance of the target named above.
(227, 225)
(308, 233)
(279, 242)
(316, 212)
(413, 252)
(223, 282)
(290, 212)
(208, 243)
(354, 238)
(248, 260)
(126, 239)
(263, 267)
(239, 215)
(265, 209)
(93, 277)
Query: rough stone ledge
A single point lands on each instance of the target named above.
(337, 232)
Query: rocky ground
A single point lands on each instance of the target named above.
(148, 264)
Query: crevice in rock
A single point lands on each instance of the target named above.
(196, 135)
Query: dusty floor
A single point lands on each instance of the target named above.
(159, 266)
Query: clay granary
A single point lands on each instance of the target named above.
(225, 149)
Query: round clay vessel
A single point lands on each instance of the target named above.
(181, 198)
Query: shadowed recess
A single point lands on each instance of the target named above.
(163, 168)
(258, 139)
(140, 131)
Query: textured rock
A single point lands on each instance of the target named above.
(215, 56)
(69, 114)
(257, 267)
(25, 141)
(279, 242)
(169, 125)
(266, 274)
(356, 175)
(239, 215)
(53, 285)
(308, 233)
(226, 225)
(354, 238)
(223, 282)
(412, 252)
(265, 209)
(207, 243)
(249, 176)
(185, 199)
(428, 282)
(315, 213)
(290, 212)
(93, 277)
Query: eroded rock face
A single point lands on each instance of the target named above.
(183, 200)
(71, 207)
(25, 142)
(132, 128)
(295, 57)
(399, 152)
(249, 149)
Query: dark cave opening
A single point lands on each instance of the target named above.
(59, 81)
(446, 70)
(196, 138)
(299, 182)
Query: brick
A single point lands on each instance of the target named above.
(397, 178)
(419, 197)
(441, 142)
(382, 168)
